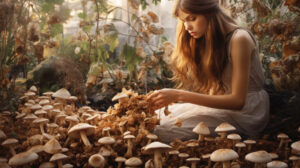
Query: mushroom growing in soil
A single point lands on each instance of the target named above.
(23, 158)
(120, 160)
(97, 161)
(10, 143)
(133, 162)
(193, 162)
(52, 146)
(277, 164)
(224, 156)
(129, 139)
(283, 140)
(202, 130)
(82, 130)
(260, 158)
(249, 143)
(41, 122)
(223, 128)
(58, 157)
(157, 148)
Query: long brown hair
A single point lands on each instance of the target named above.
(199, 63)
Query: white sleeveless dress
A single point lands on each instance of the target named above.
(250, 121)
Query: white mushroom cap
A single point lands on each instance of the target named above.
(201, 128)
(2, 135)
(36, 107)
(47, 165)
(67, 166)
(107, 140)
(183, 155)
(157, 145)
(10, 141)
(74, 132)
(133, 162)
(48, 93)
(234, 137)
(52, 146)
(206, 156)
(194, 159)
(23, 158)
(30, 94)
(225, 127)
(258, 157)
(36, 149)
(40, 112)
(72, 118)
(44, 101)
(30, 117)
(277, 164)
(21, 115)
(222, 155)
(33, 88)
(273, 156)
(97, 160)
(296, 146)
(249, 141)
(120, 159)
(129, 137)
(240, 145)
(173, 152)
(58, 156)
(62, 94)
(47, 107)
(41, 120)
(282, 136)
(152, 136)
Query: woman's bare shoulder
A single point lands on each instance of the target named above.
(243, 38)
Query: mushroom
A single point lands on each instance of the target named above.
(33, 89)
(296, 146)
(97, 161)
(47, 165)
(295, 160)
(260, 158)
(193, 161)
(58, 157)
(202, 130)
(36, 149)
(2, 135)
(240, 145)
(73, 120)
(223, 128)
(107, 141)
(157, 148)
(52, 146)
(207, 156)
(68, 166)
(35, 139)
(23, 158)
(151, 137)
(62, 95)
(129, 144)
(120, 160)
(83, 130)
(133, 162)
(249, 144)
(282, 137)
(122, 97)
(224, 156)
(235, 138)
(277, 164)
(182, 157)
(41, 122)
(10, 143)
(273, 156)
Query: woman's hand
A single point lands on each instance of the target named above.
(163, 97)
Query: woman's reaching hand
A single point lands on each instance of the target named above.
(163, 97)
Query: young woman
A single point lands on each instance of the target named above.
(219, 75)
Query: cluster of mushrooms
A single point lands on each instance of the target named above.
(49, 131)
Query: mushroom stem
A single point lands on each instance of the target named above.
(42, 128)
(85, 139)
(12, 150)
(200, 138)
(129, 148)
(157, 159)
(119, 164)
(59, 163)
(226, 164)
(194, 165)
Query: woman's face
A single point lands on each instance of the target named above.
(195, 24)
